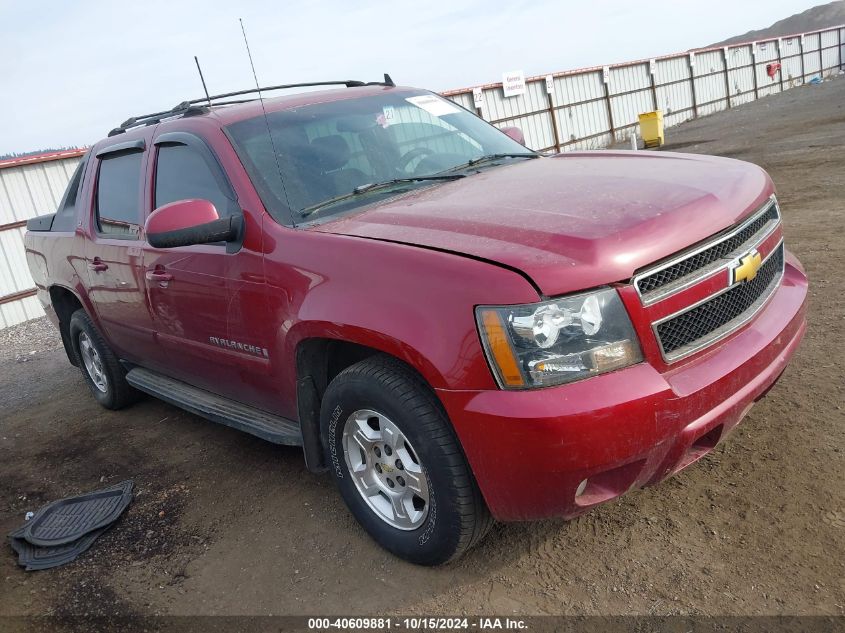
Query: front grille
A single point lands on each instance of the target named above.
(718, 316)
(701, 260)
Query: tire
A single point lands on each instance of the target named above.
(445, 515)
(107, 378)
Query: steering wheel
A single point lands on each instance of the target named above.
(417, 152)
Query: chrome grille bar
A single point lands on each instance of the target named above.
(712, 319)
(658, 282)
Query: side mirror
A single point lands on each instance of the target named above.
(188, 222)
(515, 133)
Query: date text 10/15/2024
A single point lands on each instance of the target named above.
(416, 624)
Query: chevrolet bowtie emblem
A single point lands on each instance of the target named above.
(745, 268)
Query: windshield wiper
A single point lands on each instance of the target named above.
(374, 186)
(491, 157)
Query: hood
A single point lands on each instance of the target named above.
(575, 220)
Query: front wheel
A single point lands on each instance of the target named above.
(398, 464)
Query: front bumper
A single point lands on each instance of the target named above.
(559, 451)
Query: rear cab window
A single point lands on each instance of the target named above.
(118, 186)
(66, 216)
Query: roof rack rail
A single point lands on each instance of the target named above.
(203, 104)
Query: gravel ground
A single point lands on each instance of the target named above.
(227, 524)
(21, 342)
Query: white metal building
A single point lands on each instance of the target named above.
(29, 186)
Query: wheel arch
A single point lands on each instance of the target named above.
(318, 360)
(64, 303)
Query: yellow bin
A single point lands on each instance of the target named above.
(651, 128)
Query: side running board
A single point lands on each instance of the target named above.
(216, 408)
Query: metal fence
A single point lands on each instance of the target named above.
(595, 107)
(28, 187)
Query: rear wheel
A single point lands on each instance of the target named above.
(103, 374)
(398, 464)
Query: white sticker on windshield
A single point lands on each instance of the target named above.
(433, 105)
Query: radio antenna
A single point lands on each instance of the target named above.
(267, 123)
(202, 79)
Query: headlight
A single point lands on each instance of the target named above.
(558, 341)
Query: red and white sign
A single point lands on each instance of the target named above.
(513, 83)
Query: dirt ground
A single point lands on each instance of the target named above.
(224, 523)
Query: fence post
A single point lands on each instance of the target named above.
(780, 63)
(550, 98)
(754, 69)
(727, 76)
(821, 60)
(652, 71)
(839, 33)
(691, 66)
(801, 57)
(606, 78)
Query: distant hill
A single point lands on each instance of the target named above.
(820, 17)
(35, 152)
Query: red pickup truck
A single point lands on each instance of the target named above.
(454, 326)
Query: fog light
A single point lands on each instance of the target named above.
(613, 356)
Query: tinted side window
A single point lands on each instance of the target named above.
(118, 186)
(65, 219)
(182, 173)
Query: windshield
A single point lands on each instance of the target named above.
(327, 150)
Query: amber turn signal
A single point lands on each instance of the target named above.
(500, 348)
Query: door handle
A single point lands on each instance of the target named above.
(98, 265)
(158, 275)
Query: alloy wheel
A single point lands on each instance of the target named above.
(93, 363)
(386, 469)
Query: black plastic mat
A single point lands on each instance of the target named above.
(66, 521)
(33, 558)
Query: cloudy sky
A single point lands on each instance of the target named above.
(72, 70)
